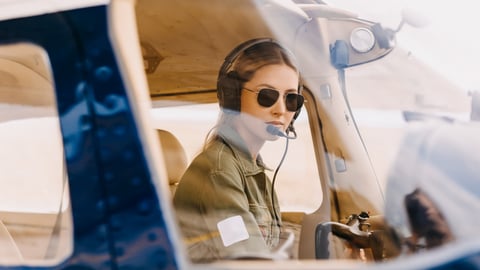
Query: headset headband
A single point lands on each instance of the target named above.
(232, 56)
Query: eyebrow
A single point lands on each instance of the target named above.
(265, 85)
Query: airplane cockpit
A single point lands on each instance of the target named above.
(104, 104)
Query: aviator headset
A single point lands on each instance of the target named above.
(230, 85)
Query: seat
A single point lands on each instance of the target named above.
(175, 157)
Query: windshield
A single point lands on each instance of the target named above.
(418, 80)
(416, 110)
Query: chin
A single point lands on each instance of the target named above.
(272, 137)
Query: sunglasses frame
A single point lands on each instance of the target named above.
(297, 95)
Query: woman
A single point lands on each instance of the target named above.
(224, 201)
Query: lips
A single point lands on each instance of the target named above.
(275, 123)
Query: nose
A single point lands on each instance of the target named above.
(279, 107)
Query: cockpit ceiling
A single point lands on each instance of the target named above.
(184, 42)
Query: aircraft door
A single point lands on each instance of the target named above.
(109, 189)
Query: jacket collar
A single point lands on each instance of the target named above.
(240, 150)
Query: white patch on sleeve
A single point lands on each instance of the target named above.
(232, 230)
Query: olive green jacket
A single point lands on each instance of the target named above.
(224, 205)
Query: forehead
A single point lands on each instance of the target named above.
(280, 76)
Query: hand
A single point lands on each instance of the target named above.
(284, 249)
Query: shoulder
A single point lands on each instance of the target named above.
(218, 156)
(213, 167)
(215, 163)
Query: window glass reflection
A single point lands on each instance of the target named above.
(35, 217)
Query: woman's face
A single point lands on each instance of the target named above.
(256, 117)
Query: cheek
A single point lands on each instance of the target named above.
(290, 116)
(249, 105)
(289, 119)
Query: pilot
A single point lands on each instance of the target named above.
(225, 203)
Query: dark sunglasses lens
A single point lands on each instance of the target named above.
(267, 97)
(293, 102)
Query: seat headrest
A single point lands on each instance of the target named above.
(174, 155)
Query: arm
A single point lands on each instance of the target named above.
(213, 211)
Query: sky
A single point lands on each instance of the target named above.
(450, 43)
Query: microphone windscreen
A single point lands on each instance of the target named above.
(274, 130)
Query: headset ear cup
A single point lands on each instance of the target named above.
(229, 87)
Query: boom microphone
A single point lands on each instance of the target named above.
(276, 131)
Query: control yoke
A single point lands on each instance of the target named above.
(357, 232)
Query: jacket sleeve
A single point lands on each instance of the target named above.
(213, 213)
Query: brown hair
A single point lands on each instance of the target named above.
(259, 55)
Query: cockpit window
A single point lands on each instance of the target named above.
(402, 99)
(35, 215)
(293, 176)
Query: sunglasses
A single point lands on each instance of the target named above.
(266, 97)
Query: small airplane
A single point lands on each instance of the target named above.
(104, 104)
